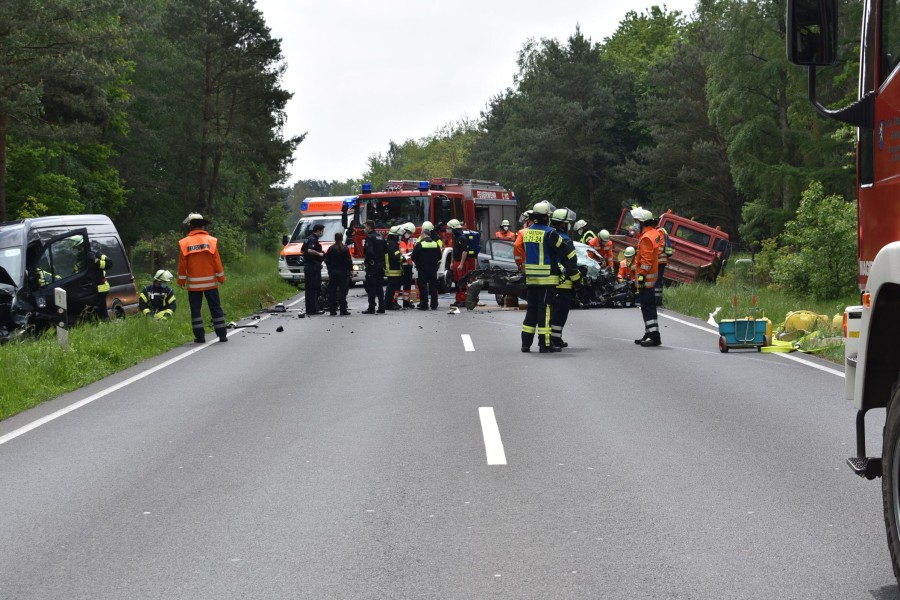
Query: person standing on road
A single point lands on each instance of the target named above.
(312, 270)
(200, 270)
(665, 251)
(427, 257)
(519, 245)
(504, 233)
(463, 254)
(543, 256)
(374, 252)
(406, 247)
(393, 268)
(158, 299)
(565, 289)
(339, 264)
(646, 267)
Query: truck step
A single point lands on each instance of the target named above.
(870, 468)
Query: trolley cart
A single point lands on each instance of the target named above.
(751, 331)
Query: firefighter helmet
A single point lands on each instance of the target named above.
(640, 215)
(191, 218)
(604, 235)
(427, 226)
(454, 224)
(525, 216)
(395, 230)
(409, 227)
(504, 223)
(541, 208)
(162, 275)
(579, 225)
(629, 252)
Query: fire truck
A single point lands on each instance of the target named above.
(698, 250)
(871, 359)
(479, 205)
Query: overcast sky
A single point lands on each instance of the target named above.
(367, 72)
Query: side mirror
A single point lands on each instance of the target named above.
(812, 27)
(284, 240)
(344, 215)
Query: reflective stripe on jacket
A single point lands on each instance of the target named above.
(567, 254)
(665, 248)
(393, 261)
(199, 264)
(647, 258)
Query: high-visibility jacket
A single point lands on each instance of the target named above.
(606, 251)
(393, 261)
(647, 257)
(154, 299)
(509, 234)
(665, 248)
(101, 262)
(544, 252)
(626, 269)
(199, 264)
(519, 248)
(568, 253)
(427, 254)
(587, 236)
(406, 248)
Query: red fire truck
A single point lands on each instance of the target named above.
(478, 204)
(698, 250)
(872, 362)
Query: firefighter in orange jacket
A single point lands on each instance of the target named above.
(505, 233)
(665, 251)
(626, 266)
(200, 270)
(605, 247)
(519, 245)
(647, 267)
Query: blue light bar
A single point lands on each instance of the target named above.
(367, 188)
(423, 186)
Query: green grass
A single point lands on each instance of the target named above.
(35, 370)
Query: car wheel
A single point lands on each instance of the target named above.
(890, 480)
(500, 298)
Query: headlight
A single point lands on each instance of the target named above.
(356, 267)
(280, 258)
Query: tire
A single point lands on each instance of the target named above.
(723, 345)
(499, 298)
(890, 480)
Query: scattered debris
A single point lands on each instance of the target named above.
(279, 329)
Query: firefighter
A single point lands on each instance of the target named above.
(585, 235)
(393, 268)
(427, 257)
(544, 252)
(605, 246)
(157, 298)
(200, 270)
(407, 244)
(465, 248)
(519, 245)
(561, 219)
(626, 266)
(374, 253)
(97, 263)
(504, 233)
(665, 251)
(646, 267)
(313, 256)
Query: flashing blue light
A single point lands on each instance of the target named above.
(367, 188)
(350, 201)
(423, 186)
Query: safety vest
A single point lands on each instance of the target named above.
(540, 266)
(393, 261)
(647, 258)
(588, 236)
(199, 264)
(665, 248)
(100, 262)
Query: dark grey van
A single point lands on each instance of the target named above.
(39, 255)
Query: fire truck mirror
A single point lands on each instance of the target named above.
(812, 32)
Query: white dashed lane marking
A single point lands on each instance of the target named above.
(493, 445)
(467, 343)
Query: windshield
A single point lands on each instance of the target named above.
(501, 250)
(304, 229)
(11, 257)
(387, 212)
(693, 236)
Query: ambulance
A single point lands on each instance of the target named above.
(327, 211)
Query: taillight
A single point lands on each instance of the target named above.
(867, 300)
(844, 326)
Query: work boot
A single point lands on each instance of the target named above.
(422, 307)
(649, 342)
(394, 306)
(526, 348)
(369, 311)
(559, 342)
(199, 340)
(345, 313)
(332, 313)
(380, 310)
(546, 349)
(641, 340)
(407, 304)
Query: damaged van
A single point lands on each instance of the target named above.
(40, 255)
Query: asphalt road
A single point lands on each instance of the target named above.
(421, 455)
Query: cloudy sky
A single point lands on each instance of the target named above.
(364, 73)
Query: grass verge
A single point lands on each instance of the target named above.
(36, 370)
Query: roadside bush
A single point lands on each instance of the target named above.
(158, 252)
(818, 256)
(232, 242)
(271, 229)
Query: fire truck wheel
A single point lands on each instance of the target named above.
(890, 480)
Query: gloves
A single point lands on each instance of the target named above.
(146, 311)
(640, 281)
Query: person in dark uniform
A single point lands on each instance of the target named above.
(426, 255)
(375, 249)
(158, 299)
(393, 268)
(339, 264)
(312, 270)
(561, 219)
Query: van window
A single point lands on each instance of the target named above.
(11, 242)
(693, 236)
(304, 229)
(63, 258)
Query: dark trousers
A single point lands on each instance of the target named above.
(658, 288)
(647, 299)
(338, 284)
(102, 311)
(375, 288)
(428, 285)
(312, 275)
(540, 299)
(393, 286)
(195, 299)
(560, 313)
(407, 279)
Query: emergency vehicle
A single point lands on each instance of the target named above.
(479, 205)
(698, 250)
(327, 211)
(871, 359)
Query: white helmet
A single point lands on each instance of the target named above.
(541, 208)
(454, 224)
(580, 223)
(162, 275)
(427, 226)
(409, 227)
(629, 251)
(560, 215)
(604, 235)
(504, 223)
(395, 230)
(640, 215)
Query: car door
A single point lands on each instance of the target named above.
(62, 262)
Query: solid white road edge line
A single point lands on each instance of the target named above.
(493, 445)
(64, 411)
(781, 355)
(467, 343)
